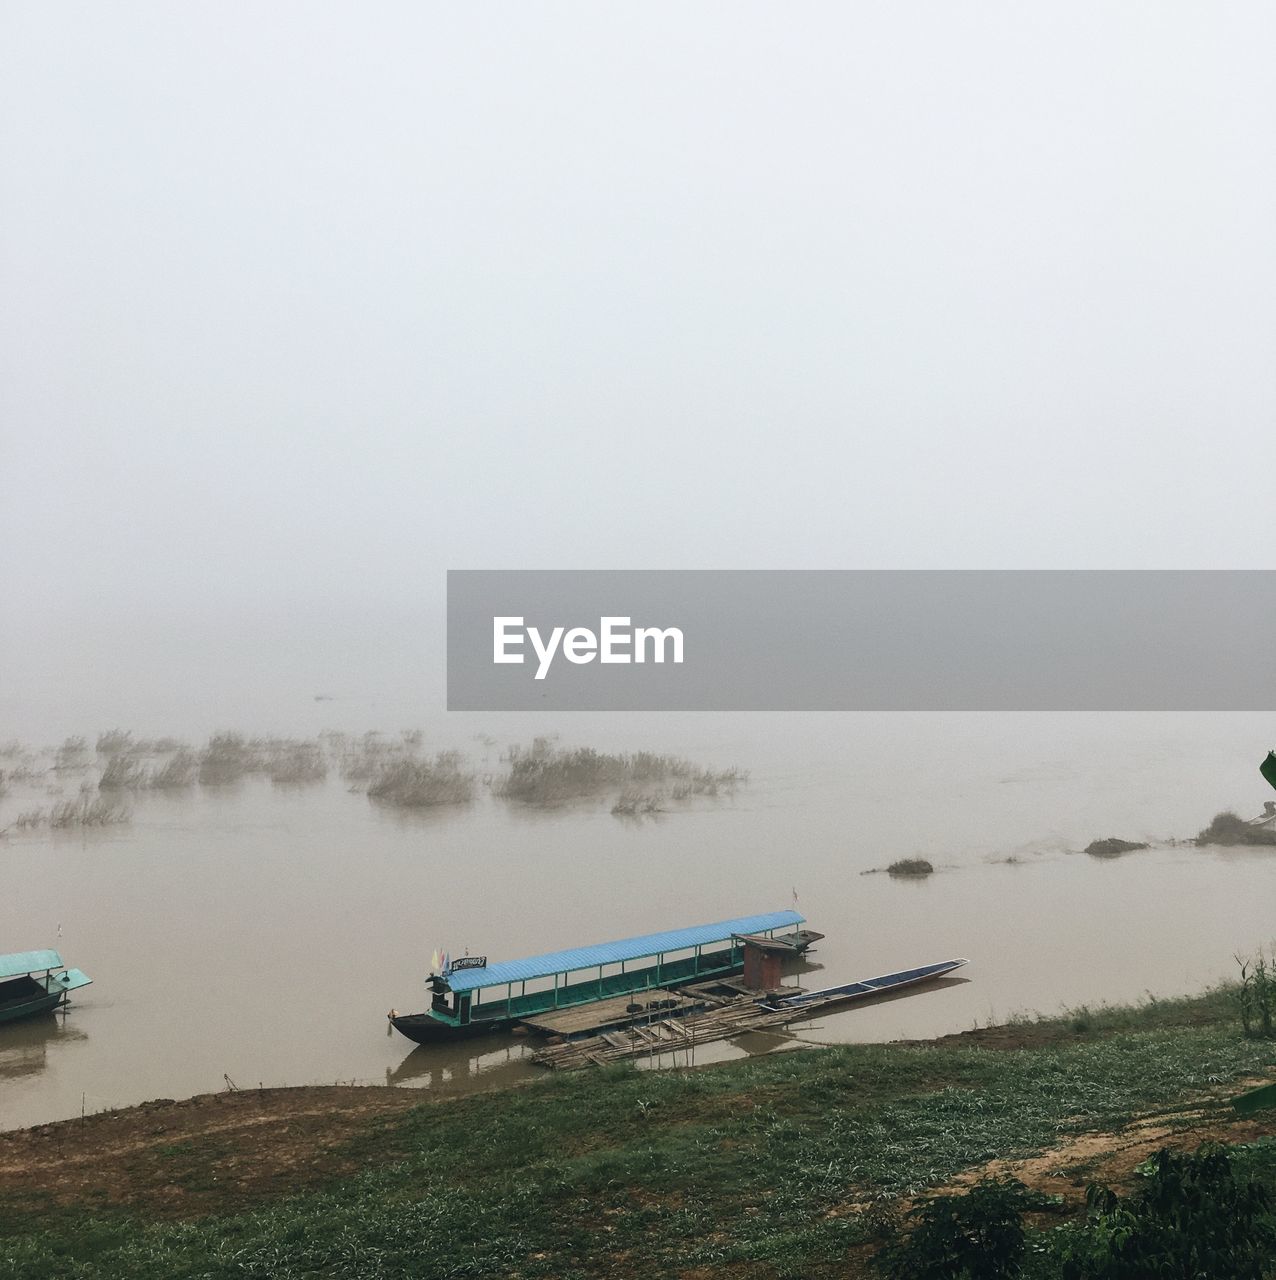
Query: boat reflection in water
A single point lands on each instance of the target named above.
(25, 1045)
(458, 1069)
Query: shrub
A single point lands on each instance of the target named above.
(975, 1236)
(1191, 1217)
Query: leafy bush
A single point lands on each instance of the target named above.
(1192, 1217)
(975, 1236)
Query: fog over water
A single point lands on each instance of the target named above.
(301, 306)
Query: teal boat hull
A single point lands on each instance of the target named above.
(26, 996)
(33, 1007)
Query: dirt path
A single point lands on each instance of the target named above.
(204, 1154)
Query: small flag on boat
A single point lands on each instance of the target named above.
(1268, 768)
(447, 963)
(436, 961)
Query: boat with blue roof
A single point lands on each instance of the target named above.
(471, 997)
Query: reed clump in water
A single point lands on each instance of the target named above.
(633, 803)
(1230, 828)
(72, 754)
(421, 784)
(180, 771)
(367, 758)
(226, 759)
(910, 867)
(295, 763)
(113, 742)
(122, 772)
(87, 810)
(545, 776)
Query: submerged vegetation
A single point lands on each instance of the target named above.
(87, 810)
(419, 784)
(180, 770)
(1112, 847)
(393, 769)
(634, 802)
(547, 776)
(911, 867)
(1230, 828)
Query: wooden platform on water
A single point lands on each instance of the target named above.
(599, 1015)
(720, 1022)
(728, 1011)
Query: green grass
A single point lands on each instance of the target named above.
(625, 1172)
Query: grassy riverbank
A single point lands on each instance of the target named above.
(776, 1166)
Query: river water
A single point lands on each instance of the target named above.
(258, 934)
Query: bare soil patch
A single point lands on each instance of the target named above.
(209, 1153)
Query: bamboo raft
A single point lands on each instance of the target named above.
(728, 1015)
(729, 1018)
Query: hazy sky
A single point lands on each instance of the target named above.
(309, 302)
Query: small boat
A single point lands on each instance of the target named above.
(30, 983)
(827, 996)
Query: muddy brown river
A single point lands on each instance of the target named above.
(255, 933)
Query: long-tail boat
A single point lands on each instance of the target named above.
(866, 987)
(471, 997)
(30, 983)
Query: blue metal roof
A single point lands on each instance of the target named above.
(20, 962)
(648, 944)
